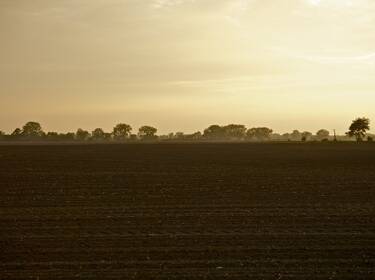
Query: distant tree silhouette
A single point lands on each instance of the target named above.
(32, 130)
(196, 136)
(121, 131)
(69, 136)
(179, 136)
(107, 136)
(259, 133)
(234, 131)
(52, 136)
(306, 136)
(213, 132)
(296, 135)
(170, 136)
(98, 134)
(55, 136)
(16, 134)
(286, 136)
(322, 134)
(358, 128)
(147, 133)
(276, 136)
(82, 135)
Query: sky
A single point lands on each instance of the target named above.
(182, 65)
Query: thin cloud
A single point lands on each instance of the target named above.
(158, 4)
(367, 58)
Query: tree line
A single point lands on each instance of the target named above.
(32, 131)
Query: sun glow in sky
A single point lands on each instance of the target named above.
(186, 64)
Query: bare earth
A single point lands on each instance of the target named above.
(188, 211)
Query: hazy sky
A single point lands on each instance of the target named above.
(186, 64)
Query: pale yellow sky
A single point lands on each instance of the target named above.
(186, 64)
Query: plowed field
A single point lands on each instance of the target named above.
(187, 211)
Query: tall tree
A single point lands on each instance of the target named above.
(98, 134)
(147, 132)
(259, 133)
(358, 128)
(234, 131)
(121, 131)
(82, 135)
(32, 130)
(213, 132)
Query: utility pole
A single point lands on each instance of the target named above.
(334, 136)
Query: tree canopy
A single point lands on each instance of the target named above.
(322, 134)
(98, 134)
(82, 135)
(32, 130)
(147, 132)
(121, 131)
(358, 128)
(259, 133)
(213, 132)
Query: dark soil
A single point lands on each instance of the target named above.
(187, 211)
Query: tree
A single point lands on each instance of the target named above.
(179, 135)
(285, 137)
(32, 130)
(234, 131)
(358, 128)
(53, 136)
(196, 136)
(259, 133)
(107, 136)
(306, 136)
(147, 132)
(121, 131)
(213, 132)
(296, 135)
(322, 134)
(276, 136)
(16, 134)
(70, 136)
(82, 135)
(170, 136)
(98, 134)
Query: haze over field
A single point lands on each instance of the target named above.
(183, 65)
